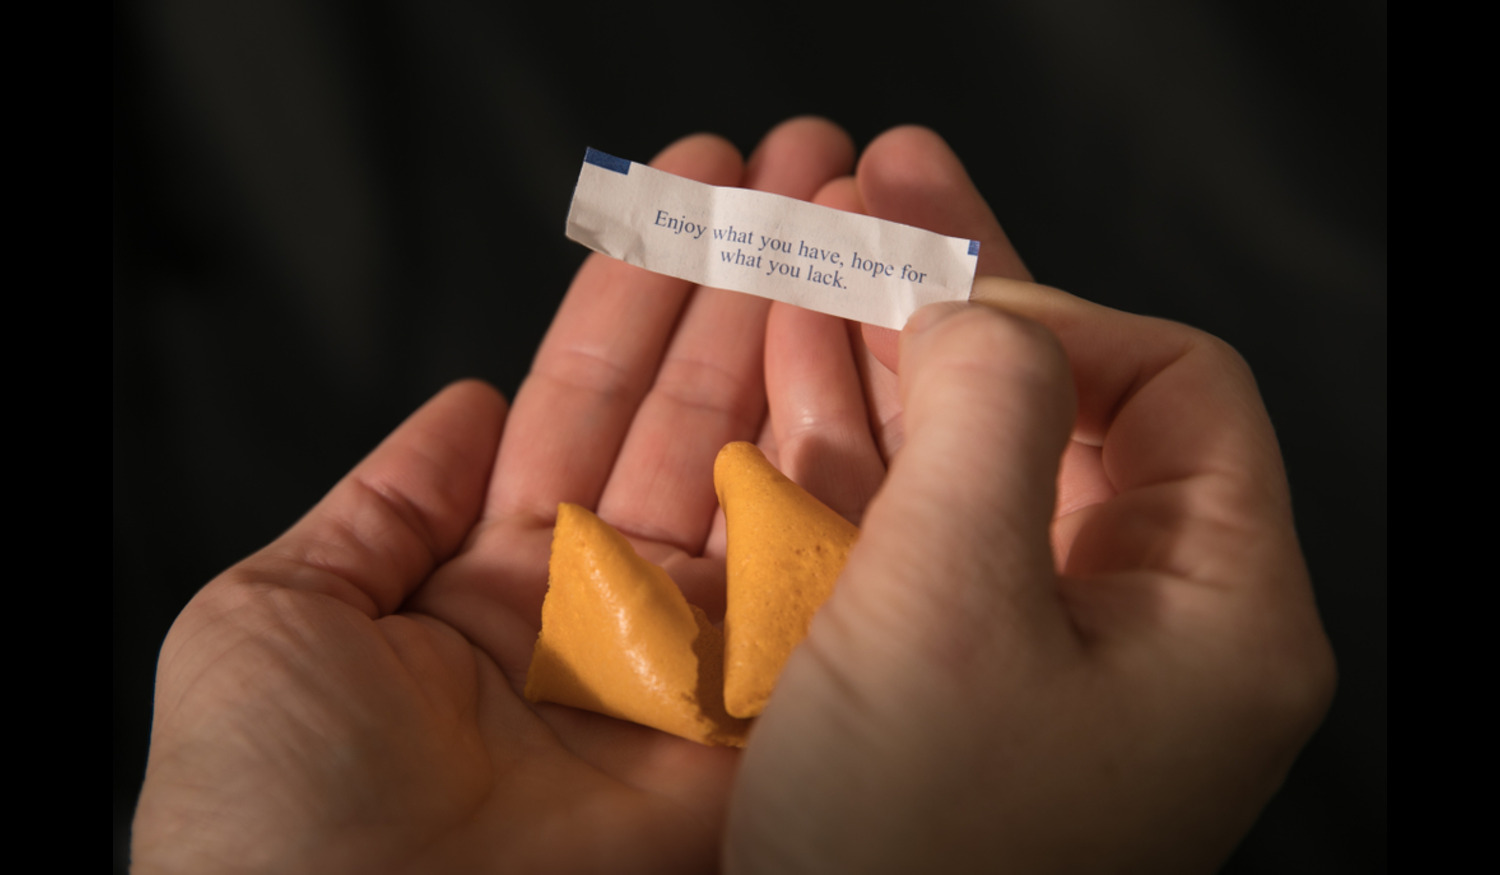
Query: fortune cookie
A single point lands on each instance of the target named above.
(785, 551)
(618, 638)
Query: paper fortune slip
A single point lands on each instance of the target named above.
(846, 264)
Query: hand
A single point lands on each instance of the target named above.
(347, 698)
(1077, 632)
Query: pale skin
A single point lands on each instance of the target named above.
(1077, 633)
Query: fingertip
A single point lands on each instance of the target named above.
(909, 156)
(989, 392)
(819, 129)
(885, 344)
(911, 175)
(474, 388)
(905, 133)
(705, 157)
(949, 349)
(1045, 304)
(461, 423)
(798, 156)
(480, 401)
(841, 193)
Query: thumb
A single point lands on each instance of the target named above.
(955, 548)
(934, 636)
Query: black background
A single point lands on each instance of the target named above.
(324, 212)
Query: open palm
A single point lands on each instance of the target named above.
(347, 698)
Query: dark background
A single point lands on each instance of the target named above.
(323, 212)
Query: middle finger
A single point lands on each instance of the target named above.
(709, 389)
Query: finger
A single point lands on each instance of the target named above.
(819, 420)
(881, 389)
(882, 395)
(594, 366)
(400, 513)
(954, 555)
(910, 175)
(1184, 443)
(710, 387)
(817, 410)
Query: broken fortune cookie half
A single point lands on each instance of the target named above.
(785, 551)
(619, 638)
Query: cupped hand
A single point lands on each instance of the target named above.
(347, 699)
(1077, 632)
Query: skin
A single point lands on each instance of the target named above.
(1076, 634)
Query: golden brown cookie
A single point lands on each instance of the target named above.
(618, 638)
(785, 551)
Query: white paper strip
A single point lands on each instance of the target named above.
(846, 264)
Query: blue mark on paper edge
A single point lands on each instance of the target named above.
(609, 162)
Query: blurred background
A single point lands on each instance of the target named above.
(323, 212)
